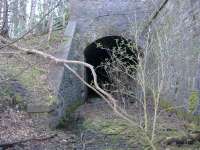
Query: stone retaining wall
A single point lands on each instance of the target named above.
(180, 22)
(99, 18)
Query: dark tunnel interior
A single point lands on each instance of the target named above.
(95, 55)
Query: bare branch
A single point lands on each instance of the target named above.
(50, 11)
(106, 96)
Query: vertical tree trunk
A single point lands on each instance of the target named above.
(197, 87)
(4, 29)
(50, 27)
(1, 11)
(50, 22)
(22, 16)
(32, 13)
(45, 22)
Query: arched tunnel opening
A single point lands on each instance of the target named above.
(101, 50)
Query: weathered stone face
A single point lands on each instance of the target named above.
(99, 18)
(178, 20)
(179, 23)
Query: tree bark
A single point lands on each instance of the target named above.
(22, 17)
(50, 22)
(32, 13)
(5, 29)
(197, 87)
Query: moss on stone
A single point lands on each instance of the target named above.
(18, 98)
(51, 100)
(74, 106)
(68, 119)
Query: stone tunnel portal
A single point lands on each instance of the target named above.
(97, 52)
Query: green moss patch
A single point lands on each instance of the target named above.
(193, 101)
(68, 119)
(31, 77)
(9, 96)
(166, 105)
(113, 127)
(117, 129)
(53, 45)
(180, 112)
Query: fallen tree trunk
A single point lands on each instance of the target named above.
(189, 139)
(11, 144)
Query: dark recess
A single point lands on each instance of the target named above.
(96, 55)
